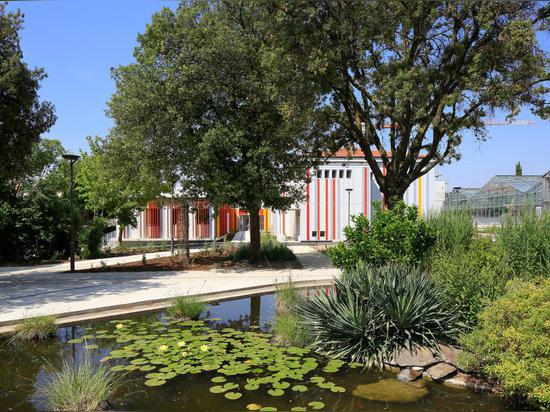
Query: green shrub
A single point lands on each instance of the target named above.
(189, 307)
(80, 388)
(524, 240)
(454, 230)
(374, 312)
(271, 250)
(289, 330)
(90, 238)
(36, 328)
(394, 235)
(469, 277)
(512, 343)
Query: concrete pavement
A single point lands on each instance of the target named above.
(30, 293)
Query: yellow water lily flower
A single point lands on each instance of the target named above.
(119, 326)
(204, 348)
(181, 343)
(184, 354)
(253, 407)
(162, 348)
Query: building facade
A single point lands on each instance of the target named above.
(341, 187)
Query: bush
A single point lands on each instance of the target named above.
(90, 238)
(36, 328)
(394, 235)
(524, 240)
(454, 230)
(512, 343)
(80, 388)
(374, 312)
(271, 250)
(290, 330)
(470, 277)
(189, 307)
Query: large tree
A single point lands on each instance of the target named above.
(239, 120)
(407, 78)
(23, 118)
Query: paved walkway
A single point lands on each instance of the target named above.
(33, 291)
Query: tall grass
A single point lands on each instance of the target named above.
(290, 330)
(524, 240)
(288, 296)
(84, 387)
(454, 230)
(36, 328)
(189, 307)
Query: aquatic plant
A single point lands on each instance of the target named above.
(290, 330)
(186, 307)
(36, 328)
(374, 312)
(82, 387)
(287, 295)
(165, 349)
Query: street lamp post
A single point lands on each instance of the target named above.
(349, 189)
(72, 158)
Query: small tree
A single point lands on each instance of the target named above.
(519, 170)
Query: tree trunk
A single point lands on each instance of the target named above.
(120, 232)
(391, 196)
(185, 229)
(255, 251)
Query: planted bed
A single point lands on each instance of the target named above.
(224, 361)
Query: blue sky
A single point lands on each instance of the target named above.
(78, 41)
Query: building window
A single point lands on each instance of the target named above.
(318, 174)
(322, 233)
(334, 174)
(340, 174)
(348, 174)
(314, 233)
(326, 174)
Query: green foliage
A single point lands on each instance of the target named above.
(186, 307)
(271, 251)
(35, 208)
(23, 117)
(524, 241)
(421, 65)
(36, 328)
(374, 312)
(454, 230)
(394, 235)
(290, 330)
(90, 238)
(80, 388)
(288, 297)
(470, 277)
(512, 343)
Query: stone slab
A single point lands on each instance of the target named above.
(440, 371)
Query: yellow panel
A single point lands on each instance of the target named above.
(420, 196)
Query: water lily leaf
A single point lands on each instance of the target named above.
(118, 368)
(75, 341)
(218, 379)
(299, 388)
(325, 385)
(268, 408)
(138, 361)
(232, 395)
(276, 392)
(316, 379)
(316, 405)
(298, 408)
(251, 386)
(155, 382)
(253, 407)
(281, 385)
(337, 389)
(90, 347)
(217, 389)
(146, 368)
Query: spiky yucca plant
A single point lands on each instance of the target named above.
(374, 312)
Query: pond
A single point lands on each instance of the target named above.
(224, 362)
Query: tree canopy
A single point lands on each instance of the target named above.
(407, 79)
(23, 117)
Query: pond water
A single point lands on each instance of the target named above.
(238, 329)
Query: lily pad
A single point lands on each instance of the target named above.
(338, 389)
(268, 409)
(276, 392)
(299, 388)
(253, 407)
(155, 382)
(316, 405)
(218, 379)
(217, 389)
(232, 395)
(298, 409)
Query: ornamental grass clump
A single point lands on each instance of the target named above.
(454, 230)
(186, 307)
(271, 251)
(36, 328)
(290, 330)
(82, 387)
(374, 312)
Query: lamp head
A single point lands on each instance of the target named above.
(71, 157)
(349, 189)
